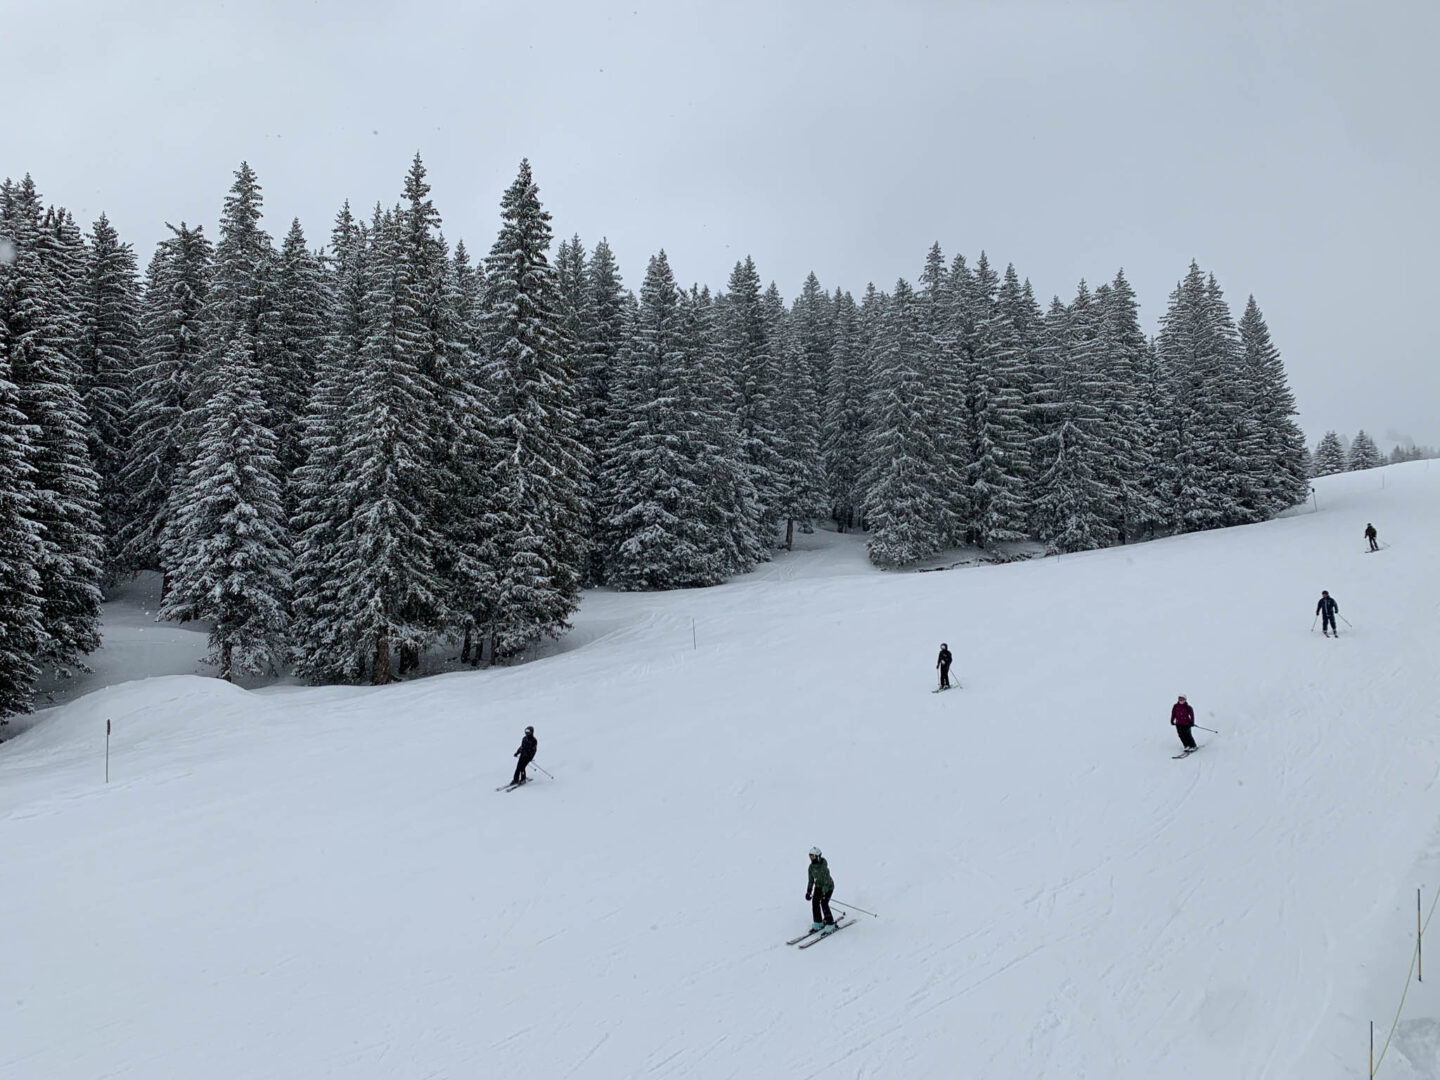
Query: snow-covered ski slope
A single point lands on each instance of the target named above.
(307, 883)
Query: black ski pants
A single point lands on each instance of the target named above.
(1186, 739)
(944, 674)
(1374, 545)
(1328, 623)
(520, 776)
(820, 907)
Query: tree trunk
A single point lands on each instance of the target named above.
(164, 584)
(789, 534)
(226, 656)
(465, 648)
(381, 675)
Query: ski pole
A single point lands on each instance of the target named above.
(1314, 621)
(1346, 621)
(852, 907)
(1211, 730)
(533, 765)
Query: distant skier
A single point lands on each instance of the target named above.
(819, 890)
(526, 754)
(943, 663)
(1371, 536)
(1328, 608)
(1182, 717)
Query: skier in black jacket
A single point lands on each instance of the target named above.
(943, 663)
(1328, 608)
(528, 746)
(1371, 535)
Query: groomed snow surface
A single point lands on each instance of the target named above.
(323, 882)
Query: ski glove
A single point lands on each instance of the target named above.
(807, 894)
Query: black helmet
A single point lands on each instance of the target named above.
(529, 731)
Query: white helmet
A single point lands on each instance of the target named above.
(814, 851)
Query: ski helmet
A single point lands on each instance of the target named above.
(529, 731)
(815, 851)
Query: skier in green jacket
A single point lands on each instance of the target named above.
(819, 890)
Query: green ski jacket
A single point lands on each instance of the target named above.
(820, 877)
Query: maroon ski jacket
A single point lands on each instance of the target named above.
(1182, 713)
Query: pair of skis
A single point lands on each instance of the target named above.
(1185, 753)
(813, 937)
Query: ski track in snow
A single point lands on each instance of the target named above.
(311, 882)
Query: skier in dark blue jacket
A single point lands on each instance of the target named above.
(1328, 608)
(528, 747)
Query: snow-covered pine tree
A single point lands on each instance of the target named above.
(228, 534)
(653, 470)
(1127, 424)
(729, 501)
(1199, 364)
(300, 326)
(948, 303)
(1072, 510)
(1329, 455)
(539, 510)
(20, 542)
(238, 319)
(1364, 454)
(845, 413)
(570, 291)
(749, 358)
(799, 468)
(1243, 467)
(904, 505)
(1153, 513)
(1283, 472)
(998, 474)
(602, 333)
(172, 335)
(240, 305)
(324, 647)
(468, 551)
(870, 323)
(109, 355)
(235, 570)
(448, 367)
(812, 325)
(390, 595)
(43, 335)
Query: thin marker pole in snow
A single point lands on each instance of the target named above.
(107, 750)
(694, 643)
(1372, 1050)
(1419, 956)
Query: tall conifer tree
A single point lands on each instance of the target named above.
(903, 506)
(539, 510)
(109, 357)
(171, 340)
(43, 337)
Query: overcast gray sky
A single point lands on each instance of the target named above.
(1290, 147)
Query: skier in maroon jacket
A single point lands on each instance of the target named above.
(1182, 716)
